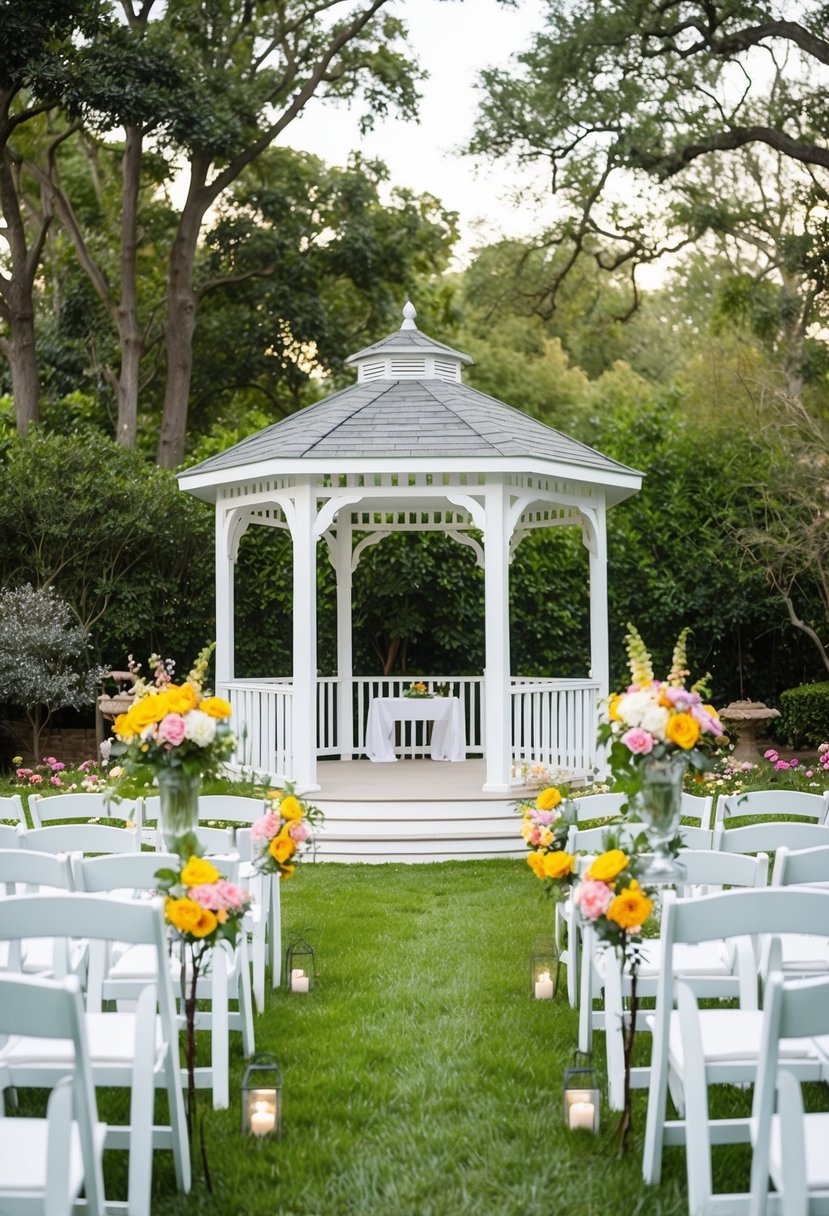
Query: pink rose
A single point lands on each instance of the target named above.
(299, 831)
(809, 773)
(234, 897)
(35, 779)
(266, 828)
(638, 741)
(50, 760)
(592, 898)
(535, 836)
(171, 729)
(23, 772)
(772, 755)
(782, 766)
(545, 817)
(55, 781)
(221, 896)
(57, 767)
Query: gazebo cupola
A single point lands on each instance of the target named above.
(409, 447)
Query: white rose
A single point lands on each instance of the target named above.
(633, 706)
(200, 728)
(654, 720)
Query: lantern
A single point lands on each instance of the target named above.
(262, 1098)
(544, 969)
(300, 970)
(582, 1098)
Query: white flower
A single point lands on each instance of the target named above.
(655, 720)
(200, 728)
(634, 705)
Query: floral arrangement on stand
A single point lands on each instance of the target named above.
(545, 826)
(284, 834)
(173, 735)
(202, 909)
(417, 690)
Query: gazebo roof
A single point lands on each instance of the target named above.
(409, 402)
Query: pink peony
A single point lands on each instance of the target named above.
(23, 772)
(50, 760)
(809, 773)
(266, 828)
(35, 779)
(593, 898)
(221, 896)
(545, 818)
(299, 831)
(171, 729)
(772, 755)
(638, 741)
(794, 762)
(55, 781)
(58, 767)
(823, 749)
(782, 766)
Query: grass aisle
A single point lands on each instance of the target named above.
(419, 1078)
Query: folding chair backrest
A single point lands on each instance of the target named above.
(82, 838)
(81, 807)
(801, 867)
(214, 840)
(770, 836)
(9, 836)
(22, 868)
(700, 807)
(11, 809)
(745, 913)
(598, 806)
(137, 871)
(704, 868)
(232, 808)
(771, 804)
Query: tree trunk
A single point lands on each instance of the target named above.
(17, 306)
(179, 329)
(131, 338)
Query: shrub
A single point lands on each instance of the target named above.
(804, 715)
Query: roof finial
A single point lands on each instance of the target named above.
(409, 314)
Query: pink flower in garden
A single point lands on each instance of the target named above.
(266, 828)
(809, 773)
(299, 831)
(638, 741)
(23, 772)
(55, 781)
(771, 754)
(58, 767)
(50, 760)
(35, 779)
(171, 729)
(823, 749)
(782, 766)
(593, 898)
(793, 763)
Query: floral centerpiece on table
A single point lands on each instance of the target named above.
(545, 826)
(417, 690)
(202, 909)
(172, 736)
(656, 729)
(284, 834)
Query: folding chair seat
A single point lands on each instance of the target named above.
(724, 1044)
(715, 968)
(137, 1050)
(82, 808)
(23, 872)
(46, 1163)
(118, 975)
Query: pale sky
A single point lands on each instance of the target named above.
(453, 40)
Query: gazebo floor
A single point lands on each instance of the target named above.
(413, 810)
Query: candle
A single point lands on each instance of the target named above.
(300, 982)
(262, 1119)
(296, 973)
(581, 1115)
(544, 987)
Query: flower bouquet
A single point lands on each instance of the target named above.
(545, 826)
(417, 690)
(172, 736)
(284, 834)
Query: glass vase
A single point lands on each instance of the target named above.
(659, 805)
(179, 805)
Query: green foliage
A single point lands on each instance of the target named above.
(804, 715)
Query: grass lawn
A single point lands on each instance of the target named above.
(420, 1079)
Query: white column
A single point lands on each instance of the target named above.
(596, 541)
(304, 683)
(497, 725)
(225, 624)
(345, 671)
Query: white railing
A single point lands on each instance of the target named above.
(554, 722)
(262, 719)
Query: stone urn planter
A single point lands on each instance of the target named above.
(748, 717)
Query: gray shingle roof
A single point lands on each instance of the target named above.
(403, 341)
(408, 418)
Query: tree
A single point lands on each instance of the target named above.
(42, 652)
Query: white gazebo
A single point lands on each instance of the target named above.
(409, 447)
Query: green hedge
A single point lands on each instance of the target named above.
(804, 715)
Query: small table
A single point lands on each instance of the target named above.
(448, 736)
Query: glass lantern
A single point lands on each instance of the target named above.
(544, 969)
(262, 1098)
(300, 969)
(582, 1097)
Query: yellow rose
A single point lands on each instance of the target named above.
(180, 698)
(536, 863)
(545, 837)
(145, 712)
(281, 848)
(122, 727)
(630, 908)
(197, 872)
(548, 799)
(613, 707)
(683, 730)
(290, 808)
(216, 707)
(287, 871)
(559, 865)
(189, 917)
(608, 866)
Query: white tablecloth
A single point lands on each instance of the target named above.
(448, 735)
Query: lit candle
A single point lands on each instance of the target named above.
(581, 1115)
(544, 987)
(262, 1119)
(300, 982)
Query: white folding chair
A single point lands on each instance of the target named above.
(771, 804)
(700, 807)
(81, 838)
(265, 919)
(716, 969)
(46, 1163)
(11, 809)
(726, 1047)
(82, 807)
(797, 955)
(137, 1050)
(212, 839)
(770, 836)
(118, 977)
(26, 873)
(789, 1147)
